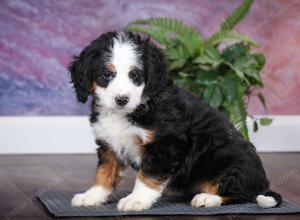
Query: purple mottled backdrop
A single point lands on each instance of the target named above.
(37, 39)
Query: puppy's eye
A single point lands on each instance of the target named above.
(134, 74)
(108, 75)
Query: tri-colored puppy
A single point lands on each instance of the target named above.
(173, 139)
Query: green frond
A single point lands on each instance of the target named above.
(238, 15)
(183, 33)
(237, 112)
(170, 25)
(228, 36)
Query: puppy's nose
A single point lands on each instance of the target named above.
(121, 100)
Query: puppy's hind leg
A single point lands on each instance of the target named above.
(227, 191)
(209, 196)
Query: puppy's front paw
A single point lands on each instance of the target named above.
(133, 203)
(95, 196)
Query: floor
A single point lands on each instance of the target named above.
(21, 176)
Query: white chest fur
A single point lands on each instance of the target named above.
(121, 135)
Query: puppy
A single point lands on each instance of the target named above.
(173, 139)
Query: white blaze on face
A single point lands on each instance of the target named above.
(124, 57)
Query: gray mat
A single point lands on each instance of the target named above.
(58, 203)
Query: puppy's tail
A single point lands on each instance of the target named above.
(269, 199)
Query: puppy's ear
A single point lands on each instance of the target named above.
(81, 76)
(155, 68)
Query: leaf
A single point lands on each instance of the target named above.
(228, 36)
(239, 73)
(183, 33)
(173, 25)
(176, 52)
(177, 64)
(237, 112)
(234, 52)
(229, 89)
(207, 78)
(262, 100)
(245, 65)
(183, 74)
(237, 15)
(248, 65)
(183, 82)
(210, 56)
(265, 121)
(260, 59)
(213, 96)
(255, 126)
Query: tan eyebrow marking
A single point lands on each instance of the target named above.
(132, 68)
(111, 67)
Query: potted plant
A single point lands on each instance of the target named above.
(223, 74)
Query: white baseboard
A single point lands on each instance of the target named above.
(51, 135)
(43, 135)
(283, 135)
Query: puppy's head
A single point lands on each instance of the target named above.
(120, 69)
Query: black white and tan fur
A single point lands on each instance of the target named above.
(175, 141)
